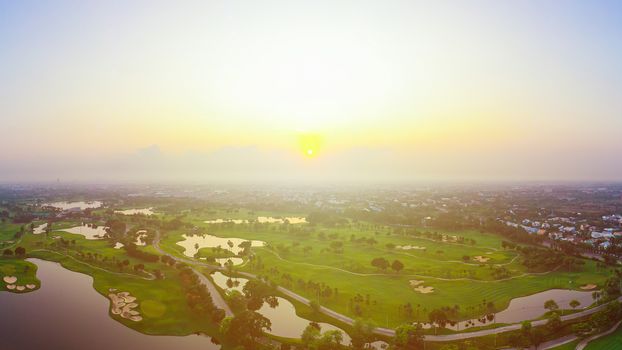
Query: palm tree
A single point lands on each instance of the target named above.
(596, 295)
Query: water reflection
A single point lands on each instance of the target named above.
(88, 231)
(74, 205)
(40, 229)
(285, 322)
(146, 211)
(67, 313)
(228, 283)
(529, 308)
(192, 244)
(261, 220)
(234, 261)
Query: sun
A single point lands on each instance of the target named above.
(309, 144)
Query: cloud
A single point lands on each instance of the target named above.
(371, 165)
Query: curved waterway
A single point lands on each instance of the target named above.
(529, 307)
(192, 243)
(285, 322)
(64, 205)
(145, 211)
(67, 313)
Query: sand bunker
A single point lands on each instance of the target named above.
(409, 247)
(588, 287)
(452, 239)
(414, 283)
(418, 286)
(20, 288)
(10, 286)
(481, 259)
(123, 305)
(30, 286)
(9, 279)
(424, 290)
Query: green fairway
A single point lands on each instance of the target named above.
(569, 346)
(23, 270)
(612, 341)
(307, 260)
(162, 302)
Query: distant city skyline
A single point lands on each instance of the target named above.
(311, 91)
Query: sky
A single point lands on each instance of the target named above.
(326, 91)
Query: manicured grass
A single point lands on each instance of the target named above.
(8, 230)
(612, 341)
(23, 270)
(456, 282)
(568, 346)
(162, 302)
(449, 267)
(165, 310)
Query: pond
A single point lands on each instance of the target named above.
(234, 261)
(146, 211)
(73, 205)
(285, 322)
(88, 231)
(140, 234)
(67, 313)
(221, 279)
(222, 221)
(261, 220)
(193, 243)
(40, 229)
(530, 307)
(273, 220)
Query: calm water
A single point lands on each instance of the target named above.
(532, 307)
(67, 313)
(70, 205)
(261, 220)
(234, 261)
(190, 243)
(285, 322)
(39, 229)
(290, 219)
(221, 279)
(146, 211)
(87, 231)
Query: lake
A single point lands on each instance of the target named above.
(190, 243)
(146, 211)
(261, 220)
(67, 313)
(40, 229)
(531, 307)
(72, 205)
(285, 322)
(89, 232)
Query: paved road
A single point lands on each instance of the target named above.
(584, 342)
(381, 331)
(512, 327)
(218, 300)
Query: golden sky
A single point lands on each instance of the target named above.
(429, 82)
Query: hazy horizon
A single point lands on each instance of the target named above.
(320, 92)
